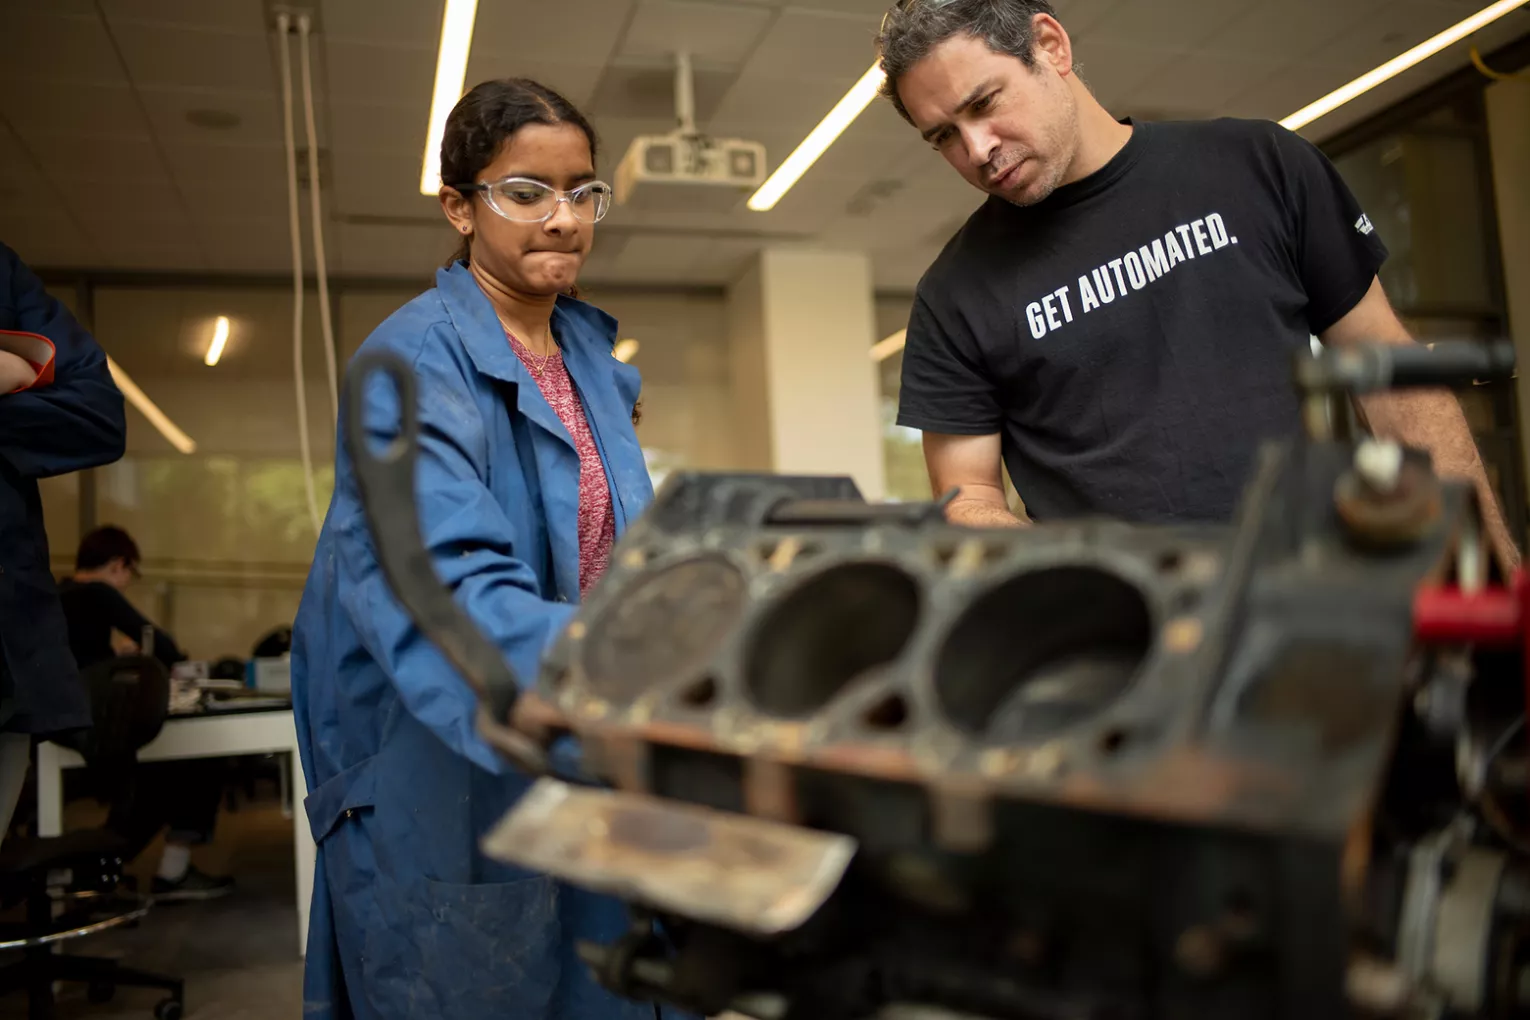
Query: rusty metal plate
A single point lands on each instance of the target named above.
(747, 874)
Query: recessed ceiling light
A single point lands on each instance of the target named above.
(625, 350)
(214, 120)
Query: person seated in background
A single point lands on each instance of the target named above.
(182, 795)
(102, 622)
(59, 412)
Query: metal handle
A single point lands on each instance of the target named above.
(386, 482)
(1376, 367)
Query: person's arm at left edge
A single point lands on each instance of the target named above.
(1427, 419)
(59, 409)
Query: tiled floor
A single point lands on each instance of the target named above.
(238, 956)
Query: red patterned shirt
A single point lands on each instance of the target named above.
(597, 521)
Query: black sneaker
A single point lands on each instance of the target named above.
(194, 885)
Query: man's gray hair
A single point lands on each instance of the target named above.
(913, 28)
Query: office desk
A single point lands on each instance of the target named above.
(205, 735)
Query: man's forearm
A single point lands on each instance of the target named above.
(1432, 420)
(980, 513)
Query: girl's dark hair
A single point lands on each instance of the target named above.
(487, 117)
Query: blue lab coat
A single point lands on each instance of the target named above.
(72, 423)
(409, 918)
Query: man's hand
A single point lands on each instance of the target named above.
(15, 372)
(972, 464)
(1428, 419)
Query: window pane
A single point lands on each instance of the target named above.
(225, 530)
(1423, 193)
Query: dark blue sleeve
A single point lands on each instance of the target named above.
(77, 420)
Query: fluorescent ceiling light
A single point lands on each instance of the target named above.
(818, 140)
(1397, 65)
(884, 349)
(625, 350)
(178, 439)
(451, 71)
(219, 339)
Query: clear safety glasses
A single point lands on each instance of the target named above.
(523, 200)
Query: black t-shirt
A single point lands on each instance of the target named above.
(1131, 337)
(93, 610)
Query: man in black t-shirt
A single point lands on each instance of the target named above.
(1116, 324)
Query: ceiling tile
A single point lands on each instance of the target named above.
(718, 36)
(649, 259)
(1288, 90)
(1287, 31)
(379, 184)
(807, 44)
(870, 10)
(1387, 30)
(394, 251)
(862, 156)
(1203, 89)
(79, 157)
(575, 82)
(1080, 17)
(1167, 24)
(1114, 70)
(578, 31)
(233, 169)
(777, 101)
(25, 191)
(98, 110)
(253, 244)
(154, 241)
(191, 58)
(45, 239)
(649, 92)
(258, 114)
(154, 208)
(225, 15)
(415, 24)
(369, 73)
(43, 47)
(142, 257)
(378, 127)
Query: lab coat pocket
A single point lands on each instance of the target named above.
(489, 950)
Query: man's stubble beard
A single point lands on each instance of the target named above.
(1063, 140)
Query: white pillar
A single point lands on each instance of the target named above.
(801, 326)
(1508, 109)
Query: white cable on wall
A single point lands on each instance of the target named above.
(321, 263)
(284, 26)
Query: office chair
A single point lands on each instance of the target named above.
(69, 883)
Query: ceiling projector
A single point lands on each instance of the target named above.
(685, 156)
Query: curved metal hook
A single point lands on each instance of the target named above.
(385, 479)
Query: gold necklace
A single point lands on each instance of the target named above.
(536, 369)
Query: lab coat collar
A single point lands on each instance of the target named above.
(576, 325)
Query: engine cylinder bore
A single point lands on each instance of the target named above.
(666, 627)
(1041, 652)
(835, 627)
